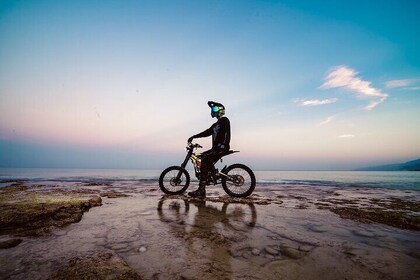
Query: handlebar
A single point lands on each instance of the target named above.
(194, 146)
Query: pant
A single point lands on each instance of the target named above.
(208, 159)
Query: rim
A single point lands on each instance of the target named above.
(242, 182)
(170, 178)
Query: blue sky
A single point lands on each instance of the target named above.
(123, 84)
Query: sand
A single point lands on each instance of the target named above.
(280, 232)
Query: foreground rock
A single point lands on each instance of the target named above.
(36, 211)
(103, 265)
(393, 212)
(9, 243)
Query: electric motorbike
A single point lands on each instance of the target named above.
(238, 180)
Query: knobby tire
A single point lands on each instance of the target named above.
(248, 185)
(167, 180)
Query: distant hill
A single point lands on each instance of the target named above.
(413, 165)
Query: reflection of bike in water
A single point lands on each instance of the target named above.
(206, 231)
(238, 180)
(234, 216)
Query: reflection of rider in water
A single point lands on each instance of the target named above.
(220, 132)
(210, 230)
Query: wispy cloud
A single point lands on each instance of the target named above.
(412, 88)
(400, 83)
(327, 120)
(314, 102)
(346, 136)
(346, 77)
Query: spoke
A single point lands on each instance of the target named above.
(170, 177)
(247, 181)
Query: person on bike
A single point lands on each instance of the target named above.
(220, 132)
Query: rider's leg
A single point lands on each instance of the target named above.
(207, 162)
(201, 191)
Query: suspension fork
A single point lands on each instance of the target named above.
(187, 158)
(183, 165)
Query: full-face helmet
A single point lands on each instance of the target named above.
(217, 109)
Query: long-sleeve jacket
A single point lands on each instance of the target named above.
(220, 132)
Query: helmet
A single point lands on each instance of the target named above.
(217, 109)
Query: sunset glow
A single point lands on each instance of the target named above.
(305, 86)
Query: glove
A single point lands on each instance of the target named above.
(190, 139)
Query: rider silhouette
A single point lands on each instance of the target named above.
(220, 132)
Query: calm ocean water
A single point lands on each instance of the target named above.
(378, 179)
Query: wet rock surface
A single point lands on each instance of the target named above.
(113, 194)
(9, 243)
(36, 211)
(395, 212)
(292, 232)
(103, 265)
(397, 219)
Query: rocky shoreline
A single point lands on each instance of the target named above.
(102, 265)
(392, 211)
(288, 230)
(36, 211)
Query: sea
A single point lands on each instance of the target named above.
(401, 180)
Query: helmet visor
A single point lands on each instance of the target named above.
(215, 109)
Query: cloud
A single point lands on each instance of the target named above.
(405, 84)
(412, 88)
(400, 83)
(327, 120)
(314, 102)
(346, 77)
(373, 104)
(346, 136)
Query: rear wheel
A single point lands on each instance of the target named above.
(240, 180)
(174, 180)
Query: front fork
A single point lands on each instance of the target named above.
(183, 165)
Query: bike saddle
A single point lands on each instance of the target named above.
(230, 152)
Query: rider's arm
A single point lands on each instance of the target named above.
(205, 133)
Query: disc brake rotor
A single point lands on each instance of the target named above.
(173, 181)
(238, 180)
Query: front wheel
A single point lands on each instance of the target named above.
(174, 180)
(240, 180)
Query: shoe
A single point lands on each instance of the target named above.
(200, 192)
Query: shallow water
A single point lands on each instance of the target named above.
(165, 237)
(406, 180)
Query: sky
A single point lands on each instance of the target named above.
(307, 85)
